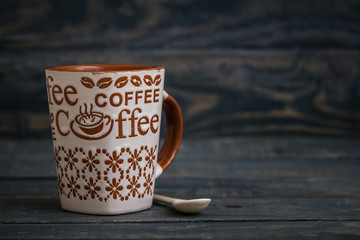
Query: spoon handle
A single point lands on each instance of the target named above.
(160, 198)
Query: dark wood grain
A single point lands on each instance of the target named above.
(47, 210)
(236, 67)
(276, 154)
(191, 230)
(220, 94)
(261, 188)
(179, 24)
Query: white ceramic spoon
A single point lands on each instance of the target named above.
(184, 206)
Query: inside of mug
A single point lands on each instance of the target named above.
(102, 68)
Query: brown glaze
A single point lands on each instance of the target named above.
(103, 68)
(174, 130)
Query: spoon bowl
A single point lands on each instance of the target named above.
(185, 206)
(191, 206)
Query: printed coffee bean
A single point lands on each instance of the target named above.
(135, 80)
(104, 82)
(148, 80)
(157, 80)
(87, 82)
(121, 82)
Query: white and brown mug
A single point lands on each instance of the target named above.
(105, 122)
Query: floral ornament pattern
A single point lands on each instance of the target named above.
(133, 186)
(120, 174)
(148, 184)
(90, 161)
(114, 161)
(135, 159)
(150, 157)
(70, 159)
(114, 188)
(92, 188)
(73, 186)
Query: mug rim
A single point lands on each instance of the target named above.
(103, 68)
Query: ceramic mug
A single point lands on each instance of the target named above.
(105, 122)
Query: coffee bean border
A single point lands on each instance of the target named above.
(121, 81)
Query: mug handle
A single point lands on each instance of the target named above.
(174, 130)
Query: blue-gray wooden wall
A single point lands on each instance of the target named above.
(241, 67)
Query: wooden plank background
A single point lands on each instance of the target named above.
(248, 67)
(261, 188)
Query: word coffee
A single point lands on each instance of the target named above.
(92, 124)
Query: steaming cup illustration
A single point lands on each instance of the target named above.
(91, 122)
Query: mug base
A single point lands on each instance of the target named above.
(112, 208)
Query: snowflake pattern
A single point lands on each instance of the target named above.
(90, 161)
(120, 174)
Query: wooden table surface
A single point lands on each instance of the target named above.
(261, 188)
